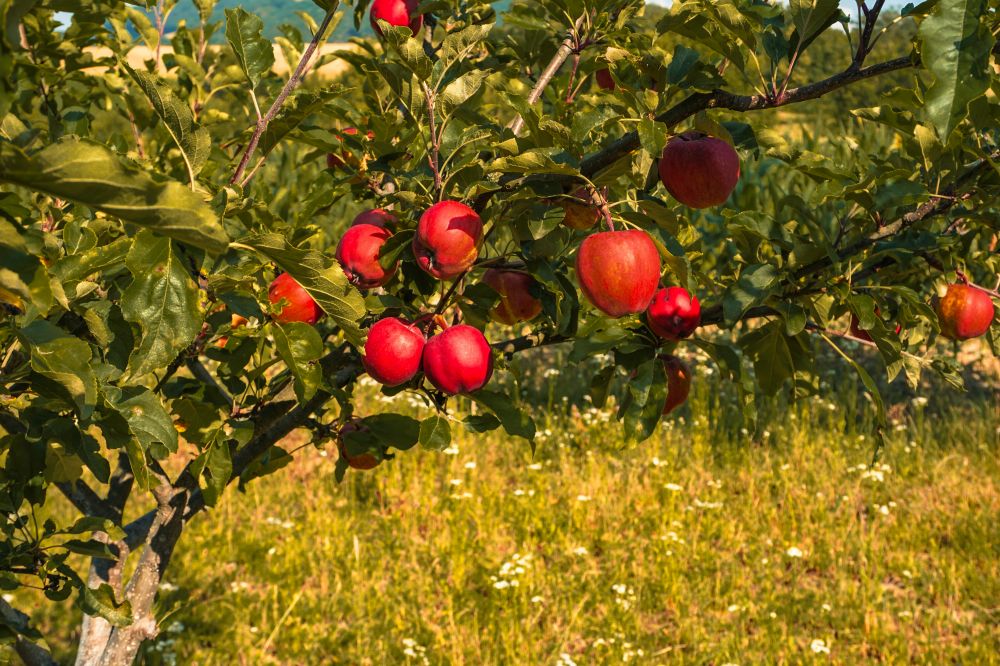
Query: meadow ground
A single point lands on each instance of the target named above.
(706, 545)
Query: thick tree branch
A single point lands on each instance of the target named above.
(293, 81)
(31, 653)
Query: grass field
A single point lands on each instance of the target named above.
(706, 545)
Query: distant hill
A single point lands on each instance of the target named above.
(276, 12)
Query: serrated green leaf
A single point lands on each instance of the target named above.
(244, 31)
(321, 277)
(300, 347)
(64, 359)
(955, 47)
(194, 141)
(435, 433)
(515, 420)
(101, 602)
(162, 300)
(89, 173)
(148, 421)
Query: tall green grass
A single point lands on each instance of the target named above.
(712, 543)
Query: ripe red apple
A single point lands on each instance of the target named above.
(362, 461)
(396, 12)
(334, 161)
(861, 334)
(447, 240)
(699, 170)
(678, 382)
(619, 271)
(393, 351)
(581, 213)
(299, 307)
(674, 313)
(516, 302)
(376, 216)
(458, 360)
(965, 312)
(604, 79)
(357, 253)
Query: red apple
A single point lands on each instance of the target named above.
(678, 382)
(447, 240)
(516, 302)
(619, 271)
(376, 216)
(393, 351)
(604, 79)
(362, 461)
(859, 333)
(674, 313)
(396, 12)
(357, 253)
(699, 170)
(965, 312)
(334, 161)
(235, 321)
(299, 304)
(581, 213)
(458, 360)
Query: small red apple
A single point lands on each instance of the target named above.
(965, 312)
(447, 240)
(861, 334)
(699, 170)
(376, 216)
(396, 12)
(604, 79)
(678, 382)
(458, 360)
(334, 161)
(357, 254)
(581, 213)
(362, 461)
(516, 302)
(619, 271)
(393, 351)
(300, 306)
(674, 313)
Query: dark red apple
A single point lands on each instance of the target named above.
(604, 79)
(516, 302)
(299, 305)
(362, 461)
(447, 240)
(396, 12)
(581, 213)
(357, 253)
(699, 170)
(458, 360)
(965, 312)
(393, 351)
(678, 382)
(619, 271)
(861, 334)
(674, 313)
(377, 217)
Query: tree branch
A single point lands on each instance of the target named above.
(31, 653)
(293, 81)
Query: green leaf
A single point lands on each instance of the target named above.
(90, 548)
(300, 347)
(648, 395)
(395, 430)
(89, 173)
(194, 142)
(461, 89)
(752, 288)
(23, 278)
(955, 47)
(162, 300)
(435, 433)
(64, 359)
(87, 524)
(321, 277)
(101, 602)
(148, 421)
(812, 17)
(218, 470)
(245, 34)
(296, 109)
(514, 420)
(771, 354)
(410, 50)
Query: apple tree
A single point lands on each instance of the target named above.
(184, 280)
